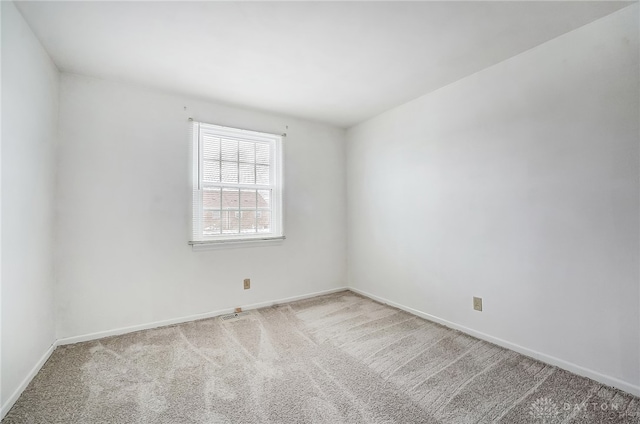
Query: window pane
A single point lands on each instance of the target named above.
(211, 198)
(248, 222)
(211, 171)
(229, 150)
(264, 199)
(262, 174)
(263, 153)
(230, 198)
(247, 199)
(247, 152)
(211, 148)
(238, 184)
(230, 223)
(211, 222)
(247, 173)
(230, 172)
(264, 222)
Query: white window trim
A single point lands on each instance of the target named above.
(276, 235)
(235, 244)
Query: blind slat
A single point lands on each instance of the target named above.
(235, 184)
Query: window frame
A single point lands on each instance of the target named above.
(198, 130)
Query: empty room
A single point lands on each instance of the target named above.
(320, 212)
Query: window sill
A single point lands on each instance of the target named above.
(198, 246)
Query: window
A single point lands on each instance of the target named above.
(237, 184)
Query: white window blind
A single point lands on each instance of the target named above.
(237, 184)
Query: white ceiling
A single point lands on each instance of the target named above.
(335, 62)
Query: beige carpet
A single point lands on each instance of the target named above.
(339, 358)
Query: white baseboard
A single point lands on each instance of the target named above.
(604, 379)
(36, 368)
(293, 298)
(163, 323)
(101, 334)
(551, 360)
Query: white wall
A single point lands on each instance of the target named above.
(124, 212)
(518, 184)
(30, 83)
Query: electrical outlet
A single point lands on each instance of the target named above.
(477, 303)
(247, 283)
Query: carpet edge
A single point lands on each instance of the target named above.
(539, 356)
(194, 317)
(4, 410)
